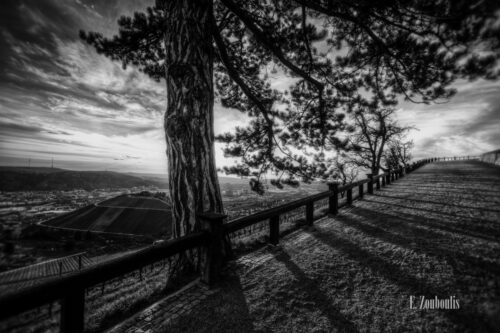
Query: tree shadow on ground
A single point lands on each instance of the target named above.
(430, 202)
(440, 194)
(375, 263)
(447, 221)
(479, 225)
(316, 295)
(226, 311)
(423, 185)
(418, 239)
(468, 319)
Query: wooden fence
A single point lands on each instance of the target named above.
(70, 289)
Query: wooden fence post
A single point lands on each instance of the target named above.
(72, 312)
(388, 177)
(213, 253)
(310, 213)
(370, 183)
(383, 180)
(349, 196)
(377, 183)
(333, 199)
(360, 189)
(274, 230)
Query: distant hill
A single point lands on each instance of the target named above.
(31, 169)
(47, 179)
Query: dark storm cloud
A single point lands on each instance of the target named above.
(19, 128)
(33, 21)
(33, 24)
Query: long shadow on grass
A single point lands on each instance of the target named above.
(323, 303)
(472, 197)
(471, 321)
(474, 227)
(478, 222)
(426, 185)
(385, 195)
(226, 311)
(414, 285)
(425, 240)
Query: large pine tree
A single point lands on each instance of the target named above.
(339, 53)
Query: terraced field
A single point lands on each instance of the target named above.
(120, 215)
(135, 202)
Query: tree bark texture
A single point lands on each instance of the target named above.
(189, 130)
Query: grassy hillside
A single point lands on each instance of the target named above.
(122, 215)
(47, 179)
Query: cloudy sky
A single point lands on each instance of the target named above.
(60, 100)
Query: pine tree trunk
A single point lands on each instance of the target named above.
(193, 183)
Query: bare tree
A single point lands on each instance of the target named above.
(398, 153)
(375, 129)
(343, 170)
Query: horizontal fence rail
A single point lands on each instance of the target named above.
(246, 221)
(70, 289)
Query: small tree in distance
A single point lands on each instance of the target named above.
(343, 170)
(375, 131)
(398, 153)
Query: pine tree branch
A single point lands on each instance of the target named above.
(263, 38)
(233, 73)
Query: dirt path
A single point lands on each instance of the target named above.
(433, 233)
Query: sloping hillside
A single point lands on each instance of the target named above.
(120, 215)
